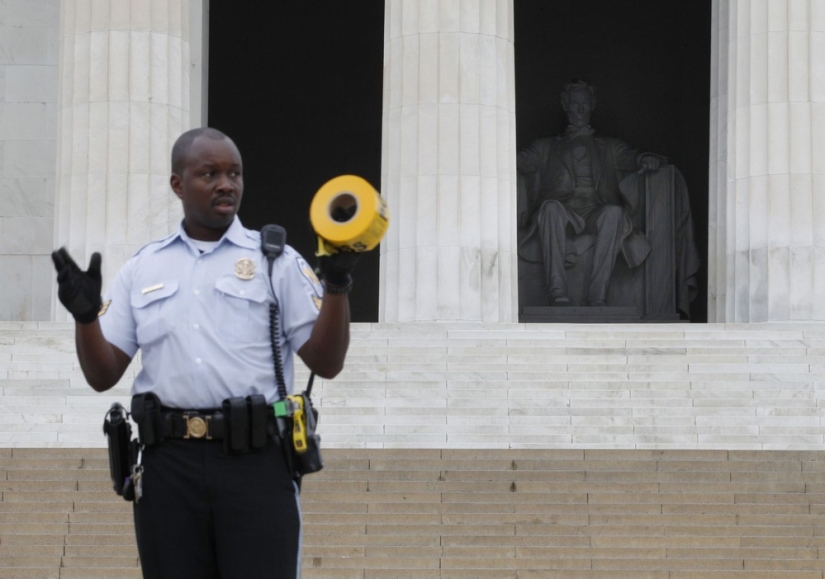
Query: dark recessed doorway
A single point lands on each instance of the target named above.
(650, 63)
(298, 86)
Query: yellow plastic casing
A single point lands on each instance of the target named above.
(299, 426)
(366, 226)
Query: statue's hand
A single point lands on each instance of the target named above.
(649, 163)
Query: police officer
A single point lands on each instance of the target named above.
(196, 304)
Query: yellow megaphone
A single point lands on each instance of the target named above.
(348, 214)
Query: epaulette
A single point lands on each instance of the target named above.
(157, 244)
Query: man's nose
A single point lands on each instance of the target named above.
(225, 183)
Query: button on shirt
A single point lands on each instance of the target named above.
(201, 320)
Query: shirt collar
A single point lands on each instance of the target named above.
(236, 234)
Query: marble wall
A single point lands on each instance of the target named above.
(28, 130)
(767, 161)
(91, 100)
(124, 99)
(92, 95)
(448, 162)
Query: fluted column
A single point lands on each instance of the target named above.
(123, 100)
(448, 162)
(767, 189)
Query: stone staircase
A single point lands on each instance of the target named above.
(474, 451)
(59, 517)
(470, 385)
(468, 514)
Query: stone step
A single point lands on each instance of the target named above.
(440, 385)
(464, 513)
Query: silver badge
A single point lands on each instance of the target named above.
(245, 268)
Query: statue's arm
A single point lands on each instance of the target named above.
(649, 162)
(528, 163)
(529, 160)
(630, 159)
(625, 156)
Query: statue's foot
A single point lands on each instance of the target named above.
(559, 299)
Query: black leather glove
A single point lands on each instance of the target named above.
(335, 270)
(78, 291)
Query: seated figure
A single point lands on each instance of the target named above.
(583, 193)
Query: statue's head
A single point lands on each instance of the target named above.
(578, 99)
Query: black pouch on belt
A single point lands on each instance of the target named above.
(146, 414)
(118, 433)
(258, 417)
(236, 431)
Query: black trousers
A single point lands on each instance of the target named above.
(212, 515)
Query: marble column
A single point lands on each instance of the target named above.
(767, 178)
(123, 99)
(449, 162)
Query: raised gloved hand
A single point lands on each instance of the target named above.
(78, 291)
(335, 269)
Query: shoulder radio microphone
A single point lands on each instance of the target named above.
(273, 240)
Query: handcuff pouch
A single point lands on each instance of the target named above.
(258, 416)
(236, 432)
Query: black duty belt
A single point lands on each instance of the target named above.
(213, 425)
(242, 423)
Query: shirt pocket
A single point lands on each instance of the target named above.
(152, 311)
(243, 309)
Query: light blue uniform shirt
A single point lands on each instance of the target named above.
(202, 328)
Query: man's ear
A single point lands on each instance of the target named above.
(177, 185)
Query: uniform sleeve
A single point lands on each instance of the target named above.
(118, 323)
(301, 295)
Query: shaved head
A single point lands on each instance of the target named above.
(181, 146)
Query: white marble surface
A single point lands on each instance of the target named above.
(447, 99)
(125, 99)
(767, 118)
(28, 98)
(462, 385)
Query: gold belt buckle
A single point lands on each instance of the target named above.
(197, 427)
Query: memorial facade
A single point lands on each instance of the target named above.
(716, 428)
(96, 90)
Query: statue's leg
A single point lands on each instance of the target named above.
(551, 219)
(607, 223)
